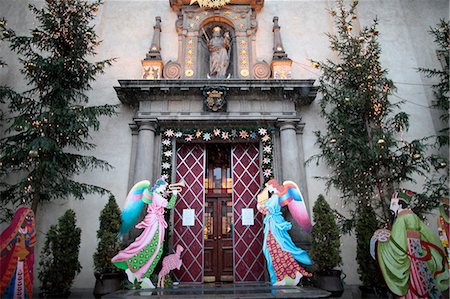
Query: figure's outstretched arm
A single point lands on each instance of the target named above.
(172, 200)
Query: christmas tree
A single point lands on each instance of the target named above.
(49, 124)
(363, 144)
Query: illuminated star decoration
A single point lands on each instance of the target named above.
(211, 3)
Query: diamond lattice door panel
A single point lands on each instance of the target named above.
(191, 169)
(248, 239)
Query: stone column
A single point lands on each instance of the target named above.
(145, 150)
(292, 165)
(289, 151)
(134, 141)
(302, 183)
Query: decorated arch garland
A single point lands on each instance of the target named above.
(170, 135)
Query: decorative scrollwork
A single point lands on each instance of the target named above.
(172, 70)
(261, 70)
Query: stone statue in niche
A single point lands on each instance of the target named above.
(219, 50)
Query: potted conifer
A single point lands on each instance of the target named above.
(59, 262)
(108, 277)
(373, 285)
(325, 248)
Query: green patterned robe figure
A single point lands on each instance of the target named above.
(140, 258)
(410, 256)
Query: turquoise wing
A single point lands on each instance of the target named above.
(133, 206)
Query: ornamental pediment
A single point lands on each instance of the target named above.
(216, 40)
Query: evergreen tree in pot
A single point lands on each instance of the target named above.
(59, 263)
(325, 248)
(108, 277)
(373, 285)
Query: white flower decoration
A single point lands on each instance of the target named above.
(267, 172)
(165, 165)
(262, 131)
(267, 149)
(265, 138)
(166, 142)
(189, 137)
(266, 161)
(168, 154)
(169, 133)
(225, 135)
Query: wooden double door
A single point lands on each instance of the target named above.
(218, 238)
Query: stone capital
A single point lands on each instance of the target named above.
(134, 128)
(146, 124)
(288, 124)
(300, 128)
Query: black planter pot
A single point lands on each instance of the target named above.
(375, 292)
(107, 283)
(330, 281)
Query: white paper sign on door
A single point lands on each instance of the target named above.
(247, 217)
(188, 217)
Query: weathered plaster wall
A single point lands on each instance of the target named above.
(126, 29)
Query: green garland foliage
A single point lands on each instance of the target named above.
(59, 263)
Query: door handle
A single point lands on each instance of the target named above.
(220, 237)
(215, 238)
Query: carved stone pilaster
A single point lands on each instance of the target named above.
(145, 150)
(281, 64)
(152, 65)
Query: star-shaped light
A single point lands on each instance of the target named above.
(198, 134)
(207, 136)
(178, 134)
(234, 133)
(169, 133)
(267, 149)
(265, 138)
(267, 172)
(165, 165)
(216, 132)
(189, 137)
(168, 154)
(225, 135)
(262, 131)
(166, 142)
(266, 161)
(253, 135)
(243, 134)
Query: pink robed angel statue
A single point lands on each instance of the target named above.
(140, 258)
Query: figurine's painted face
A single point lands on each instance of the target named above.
(272, 189)
(29, 219)
(161, 188)
(394, 207)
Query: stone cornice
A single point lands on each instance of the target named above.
(131, 92)
(255, 4)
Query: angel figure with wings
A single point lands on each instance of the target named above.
(140, 258)
(281, 254)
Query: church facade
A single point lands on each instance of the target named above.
(223, 99)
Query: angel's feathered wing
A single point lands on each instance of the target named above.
(297, 206)
(133, 206)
